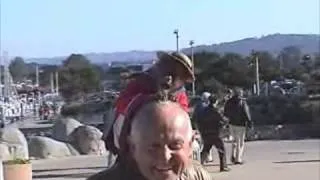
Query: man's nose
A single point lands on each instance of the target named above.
(166, 153)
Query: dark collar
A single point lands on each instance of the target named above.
(129, 169)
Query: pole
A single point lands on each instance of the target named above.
(176, 32)
(1, 90)
(57, 82)
(281, 65)
(257, 76)
(37, 75)
(192, 60)
(6, 76)
(51, 83)
(37, 84)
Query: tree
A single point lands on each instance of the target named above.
(101, 72)
(317, 61)
(268, 66)
(233, 70)
(78, 77)
(18, 69)
(215, 71)
(203, 60)
(291, 56)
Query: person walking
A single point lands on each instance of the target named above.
(209, 122)
(237, 111)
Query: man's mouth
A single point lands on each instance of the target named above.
(163, 168)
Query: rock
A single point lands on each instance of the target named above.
(5, 152)
(87, 140)
(44, 147)
(14, 138)
(62, 128)
(11, 151)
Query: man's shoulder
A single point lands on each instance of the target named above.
(112, 173)
(196, 172)
(141, 83)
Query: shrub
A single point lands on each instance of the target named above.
(279, 110)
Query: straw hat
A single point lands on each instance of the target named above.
(181, 58)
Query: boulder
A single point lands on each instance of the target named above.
(62, 128)
(5, 152)
(44, 147)
(16, 140)
(87, 140)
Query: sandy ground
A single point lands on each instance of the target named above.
(265, 160)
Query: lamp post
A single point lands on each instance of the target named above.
(37, 75)
(257, 74)
(176, 32)
(281, 65)
(192, 60)
(255, 60)
(57, 82)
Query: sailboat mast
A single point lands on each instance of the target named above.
(57, 82)
(51, 83)
(37, 75)
(6, 75)
(1, 91)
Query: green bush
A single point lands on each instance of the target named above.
(274, 110)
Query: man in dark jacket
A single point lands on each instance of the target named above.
(237, 111)
(209, 122)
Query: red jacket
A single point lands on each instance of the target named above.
(143, 84)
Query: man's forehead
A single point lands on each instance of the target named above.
(171, 114)
(164, 117)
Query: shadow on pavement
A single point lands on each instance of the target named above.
(291, 162)
(71, 175)
(67, 169)
(45, 122)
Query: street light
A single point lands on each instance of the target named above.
(256, 61)
(257, 75)
(192, 60)
(176, 32)
(281, 64)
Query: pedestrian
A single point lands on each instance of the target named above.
(210, 122)
(172, 71)
(237, 111)
(198, 111)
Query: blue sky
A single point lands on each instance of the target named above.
(45, 28)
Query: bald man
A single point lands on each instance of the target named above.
(158, 146)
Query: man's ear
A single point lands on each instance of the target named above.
(193, 137)
(130, 143)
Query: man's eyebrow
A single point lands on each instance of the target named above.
(179, 141)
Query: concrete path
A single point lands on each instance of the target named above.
(265, 160)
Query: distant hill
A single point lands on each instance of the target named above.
(308, 43)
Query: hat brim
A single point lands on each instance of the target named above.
(165, 55)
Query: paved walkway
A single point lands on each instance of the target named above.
(279, 160)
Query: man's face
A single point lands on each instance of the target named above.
(163, 150)
(178, 72)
